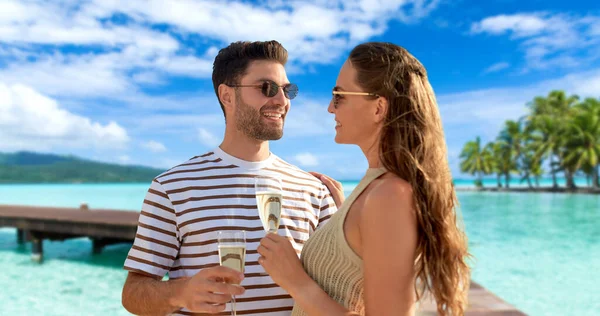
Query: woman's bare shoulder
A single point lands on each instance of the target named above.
(390, 189)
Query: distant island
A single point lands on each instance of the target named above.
(30, 167)
(560, 131)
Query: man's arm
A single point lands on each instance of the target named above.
(146, 295)
(149, 295)
(153, 253)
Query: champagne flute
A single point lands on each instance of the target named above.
(232, 253)
(268, 202)
(269, 194)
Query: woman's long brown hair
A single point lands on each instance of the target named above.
(413, 147)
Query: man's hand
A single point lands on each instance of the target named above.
(206, 291)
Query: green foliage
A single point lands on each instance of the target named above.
(559, 129)
(476, 160)
(28, 167)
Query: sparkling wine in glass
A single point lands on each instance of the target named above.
(269, 195)
(232, 253)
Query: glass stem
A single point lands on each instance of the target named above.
(233, 311)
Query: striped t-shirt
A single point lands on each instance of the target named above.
(186, 206)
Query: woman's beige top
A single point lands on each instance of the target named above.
(329, 260)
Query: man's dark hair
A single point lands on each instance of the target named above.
(232, 61)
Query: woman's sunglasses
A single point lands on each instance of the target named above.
(337, 95)
(270, 89)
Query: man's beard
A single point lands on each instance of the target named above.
(249, 121)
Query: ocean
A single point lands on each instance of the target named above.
(538, 251)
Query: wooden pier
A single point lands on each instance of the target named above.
(35, 223)
(481, 302)
(105, 227)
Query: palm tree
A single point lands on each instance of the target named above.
(531, 166)
(583, 146)
(547, 120)
(561, 108)
(495, 150)
(537, 171)
(510, 139)
(505, 164)
(592, 107)
(558, 128)
(544, 130)
(476, 160)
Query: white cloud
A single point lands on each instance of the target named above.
(154, 146)
(79, 76)
(147, 77)
(520, 24)
(189, 66)
(312, 31)
(104, 75)
(30, 120)
(549, 40)
(207, 138)
(307, 159)
(72, 22)
(497, 67)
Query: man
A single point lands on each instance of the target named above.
(186, 206)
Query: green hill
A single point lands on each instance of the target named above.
(30, 167)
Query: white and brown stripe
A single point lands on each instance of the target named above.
(186, 206)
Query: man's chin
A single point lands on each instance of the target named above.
(273, 136)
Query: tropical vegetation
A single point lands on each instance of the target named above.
(30, 167)
(559, 132)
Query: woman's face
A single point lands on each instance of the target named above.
(355, 115)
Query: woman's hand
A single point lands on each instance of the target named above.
(335, 187)
(280, 260)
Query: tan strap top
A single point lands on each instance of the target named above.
(330, 261)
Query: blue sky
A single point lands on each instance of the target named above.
(129, 82)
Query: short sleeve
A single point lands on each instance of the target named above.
(157, 240)
(327, 206)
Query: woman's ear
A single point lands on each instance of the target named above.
(226, 96)
(381, 109)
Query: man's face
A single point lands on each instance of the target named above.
(257, 115)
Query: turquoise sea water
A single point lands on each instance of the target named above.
(539, 252)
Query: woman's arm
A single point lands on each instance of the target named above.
(280, 260)
(388, 229)
(316, 302)
(389, 238)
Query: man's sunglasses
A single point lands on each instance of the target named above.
(270, 89)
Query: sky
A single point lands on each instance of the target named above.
(129, 82)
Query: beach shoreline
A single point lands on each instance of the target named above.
(585, 190)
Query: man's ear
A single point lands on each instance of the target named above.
(226, 96)
(381, 109)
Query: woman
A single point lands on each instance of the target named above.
(396, 236)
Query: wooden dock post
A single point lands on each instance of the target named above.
(20, 236)
(37, 249)
(97, 245)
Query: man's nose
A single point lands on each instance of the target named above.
(280, 98)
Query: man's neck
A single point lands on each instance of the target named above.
(243, 147)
